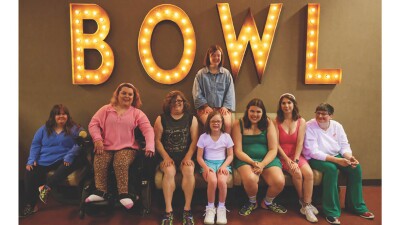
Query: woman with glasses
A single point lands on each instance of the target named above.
(256, 150)
(112, 129)
(176, 134)
(213, 88)
(327, 149)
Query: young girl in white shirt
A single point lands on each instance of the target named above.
(214, 155)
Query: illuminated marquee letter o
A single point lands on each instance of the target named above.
(155, 16)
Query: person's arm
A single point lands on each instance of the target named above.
(95, 127)
(343, 142)
(197, 92)
(148, 133)
(36, 146)
(194, 136)
(300, 138)
(230, 101)
(229, 158)
(237, 148)
(158, 131)
(272, 145)
(75, 149)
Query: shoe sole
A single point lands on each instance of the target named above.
(368, 218)
(336, 223)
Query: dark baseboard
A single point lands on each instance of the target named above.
(372, 182)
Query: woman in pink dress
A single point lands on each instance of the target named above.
(290, 131)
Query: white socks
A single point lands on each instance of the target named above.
(127, 203)
(94, 198)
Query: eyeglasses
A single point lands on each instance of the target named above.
(321, 113)
(216, 121)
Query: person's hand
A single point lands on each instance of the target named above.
(99, 147)
(207, 171)
(149, 153)
(353, 162)
(208, 109)
(186, 161)
(223, 111)
(30, 167)
(292, 165)
(343, 162)
(258, 168)
(223, 170)
(67, 163)
(167, 162)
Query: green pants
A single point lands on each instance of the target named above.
(354, 201)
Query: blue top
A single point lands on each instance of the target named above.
(216, 90)
(46, 150)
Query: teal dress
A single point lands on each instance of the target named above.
(256, 147)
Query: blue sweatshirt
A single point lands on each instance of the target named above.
(46, 150)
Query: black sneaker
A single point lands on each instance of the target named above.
(332, 220)
(27, 211)
(187, 218)
(248, 208)
(43, 193)
(168, 219)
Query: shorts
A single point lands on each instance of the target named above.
(215, 165)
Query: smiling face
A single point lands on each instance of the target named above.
(215, 58)
(322, 116)
(216, 123)
(254, 114)
(61, 118)
(177, 105)
(125, 97)
(286, 105)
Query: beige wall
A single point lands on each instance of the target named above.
(350, 38)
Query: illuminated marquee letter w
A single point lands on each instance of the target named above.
(237, 47)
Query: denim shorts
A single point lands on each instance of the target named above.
(215, 165)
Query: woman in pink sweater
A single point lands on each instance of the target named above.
(112, 130)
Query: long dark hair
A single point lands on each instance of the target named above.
(263, 123)
(295, 112)
(51, 122)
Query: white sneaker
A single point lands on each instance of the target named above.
(210, 215)
(314, 210)
(307, 210)
(221, 215)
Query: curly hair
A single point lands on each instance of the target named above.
(295, 112)
(207, 126)
(51, 121)
(263, 123)
(211, 50)
(137, 103)
(169, 101)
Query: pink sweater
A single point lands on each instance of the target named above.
(117, 132)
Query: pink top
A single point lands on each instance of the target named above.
(288, 143)
(117, 132)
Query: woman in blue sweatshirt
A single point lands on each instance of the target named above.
(54, 147)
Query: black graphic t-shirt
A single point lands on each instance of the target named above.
(176, 135)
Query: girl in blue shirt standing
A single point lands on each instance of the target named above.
(213, 88)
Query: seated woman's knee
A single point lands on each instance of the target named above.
(169, 171)
(187, 170)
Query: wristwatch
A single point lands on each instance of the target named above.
(296, 161)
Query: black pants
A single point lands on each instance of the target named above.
(37, 177)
